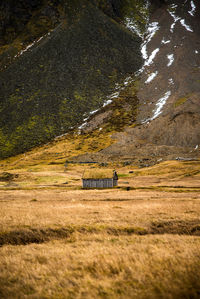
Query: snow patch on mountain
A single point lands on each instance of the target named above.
(187, 27)
(151, 57)
(171, 59)
(26, 49)
(151, 77)
(127, 81)
(147, 37)
(114, 95)
(171, 81)
(159, 105)
(93, 112)
(176, 18)
(172, 14)
(31, 45)
(193, 8)
(165, 41)
(151, 31)
(131, 25)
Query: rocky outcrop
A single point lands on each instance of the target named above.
(168, 114)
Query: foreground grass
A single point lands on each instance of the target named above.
(103, 266)
(59, 241)
(99, 243)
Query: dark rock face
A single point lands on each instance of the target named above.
(14, 16)
(68, 73)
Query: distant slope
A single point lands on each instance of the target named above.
(58, 79)
(170, 85)
(167, 123)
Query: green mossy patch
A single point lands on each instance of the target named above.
(138, 12)
(180, 101)
(124, 109)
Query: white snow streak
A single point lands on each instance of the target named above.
(159, 105)
(176, 18)
(187, 27)
(31, 45)
(82, 126)
(26, 49)
(172, 14)
(107, 103)
(109, 100)
(165, 41)
(149, 61)
(131, 25)
(161, 102)
(127, 81)
(151, 77)
(171, 81)
(171, 59)
(151, 30)
(193, 8)
(114, 95)
(93, 112)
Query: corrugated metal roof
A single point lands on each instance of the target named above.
(98, 174)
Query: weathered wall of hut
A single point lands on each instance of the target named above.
(98, 183)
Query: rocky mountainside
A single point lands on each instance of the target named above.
(170, 93)
(168, 115)
(131, 67)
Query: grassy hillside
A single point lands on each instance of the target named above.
(57, 240)
(53, 85)
(138, 240)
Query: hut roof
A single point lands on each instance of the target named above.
(96, 174)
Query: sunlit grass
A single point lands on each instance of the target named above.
(60, 241)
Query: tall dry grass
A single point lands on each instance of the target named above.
(103, 266)
(72, 243)
(57, 208)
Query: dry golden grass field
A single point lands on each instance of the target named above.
(60, 241)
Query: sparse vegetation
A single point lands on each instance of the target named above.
(180, 101)
(67, 242)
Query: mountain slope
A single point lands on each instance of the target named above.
(152, 110)
(170, 102)
(168, 116)
(55, 82)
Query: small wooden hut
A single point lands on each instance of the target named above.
(99, 178)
